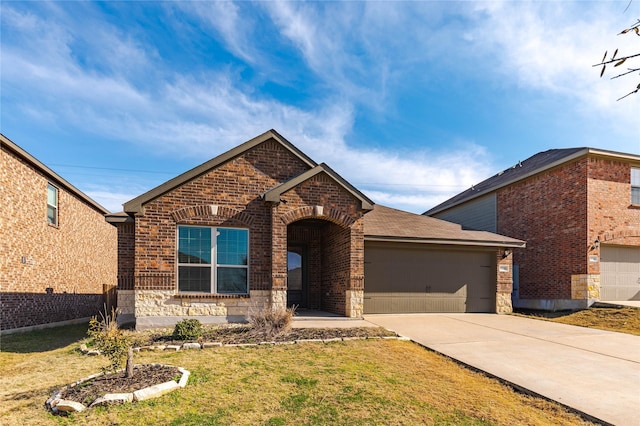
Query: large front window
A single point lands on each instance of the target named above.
(213, 260)
(635, 186)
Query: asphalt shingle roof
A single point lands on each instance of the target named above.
(386, 223)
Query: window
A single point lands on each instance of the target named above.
(635, 186)
(52, 204)
(213, 260)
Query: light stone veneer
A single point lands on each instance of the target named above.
(278, 299)
(503, 303)
(355, 303)
(585, 287)
(163, 303)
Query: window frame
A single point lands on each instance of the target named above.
(56, 207)
(635, 186)
(213, 266)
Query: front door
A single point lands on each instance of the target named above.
(296, 276)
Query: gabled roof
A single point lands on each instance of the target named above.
(50, 174)
(273, 195)
(531, 166)
(387, 224)
(135, 205)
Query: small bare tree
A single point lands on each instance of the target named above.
(112, 341)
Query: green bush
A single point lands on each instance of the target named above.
(188, 329)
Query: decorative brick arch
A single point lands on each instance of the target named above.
(211, 210)
(319, 212)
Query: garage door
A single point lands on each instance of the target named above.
(619, 273)
(405, 278)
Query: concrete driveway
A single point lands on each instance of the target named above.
(593, 371)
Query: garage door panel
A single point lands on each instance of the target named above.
(619, 273)
(384, 303)
(401, 279)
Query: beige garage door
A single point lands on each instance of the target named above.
(405, 278)
(619, 273)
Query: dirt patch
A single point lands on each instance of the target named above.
(144, 376)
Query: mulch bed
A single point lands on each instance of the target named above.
(144, 375)
(245, 334)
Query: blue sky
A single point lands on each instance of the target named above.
(412, 102)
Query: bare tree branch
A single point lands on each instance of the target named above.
(617, 61)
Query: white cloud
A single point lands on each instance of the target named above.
(550, 47)
(224, 18)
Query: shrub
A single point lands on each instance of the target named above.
(272, 322)
(188, 329)
(114, 343)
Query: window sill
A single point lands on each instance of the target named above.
(210, 296)
(635, 206)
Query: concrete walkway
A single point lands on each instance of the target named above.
(593, 371)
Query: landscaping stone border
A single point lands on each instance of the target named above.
(210, 345)
(57, 405)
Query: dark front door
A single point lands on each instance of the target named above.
(296, 276)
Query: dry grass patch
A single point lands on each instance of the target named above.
(354, 382)
(622, 319)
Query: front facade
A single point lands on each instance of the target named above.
(579, 211)
(263, 225)
(58, 254)
(216, 242)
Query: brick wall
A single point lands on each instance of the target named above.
(549, 212)
(611, 217)
(560, 213)
(49, 273)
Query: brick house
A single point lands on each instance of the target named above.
(579, 211)
(58, 253)
(260, 225)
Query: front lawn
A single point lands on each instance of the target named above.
(375, 381)
(623, 319)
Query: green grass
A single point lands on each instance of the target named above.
(360, 382)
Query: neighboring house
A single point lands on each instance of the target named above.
(579, 211)
(264, 225)
(57, 251)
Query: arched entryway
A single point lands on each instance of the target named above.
(318, 265)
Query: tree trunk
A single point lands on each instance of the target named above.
(129, 367)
